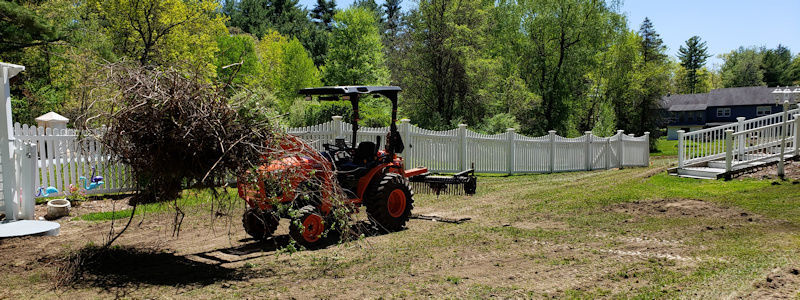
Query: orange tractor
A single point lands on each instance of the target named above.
(303, 184)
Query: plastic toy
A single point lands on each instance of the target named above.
(45, 192)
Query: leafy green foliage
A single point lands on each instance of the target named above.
(237, 61)
(355, 51)
(286, 67)
(775, 64)
(742, 67)
(164, 31)
(561, 40)
(372, 113)
(20, 27)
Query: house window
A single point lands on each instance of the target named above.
(723, 112)
(763, 110)
(700, 117)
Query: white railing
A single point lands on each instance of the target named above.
(709, 144)
(762, 143)
(61, 157)
(458, 149)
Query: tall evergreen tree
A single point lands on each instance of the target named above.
(653, 47)
(775, 64)
(392, 28)
(258, 16)
(323, 12)
(654, 85)
(20, 27)
(693, 57)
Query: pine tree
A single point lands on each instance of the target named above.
(693, 57)
(20, 27)
(775, 64)
(652, 46)
(393, 17)
(323, 12)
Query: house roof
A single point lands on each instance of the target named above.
(752, 95)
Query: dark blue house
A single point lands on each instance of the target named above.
(691, 112)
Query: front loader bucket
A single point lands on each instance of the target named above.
(464, 183)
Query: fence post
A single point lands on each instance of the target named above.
(620, 147)
(728, 150)
(646, 153)
(740, 140)
(511, 150)
(405, 132)
(462, 147)
(680, 148)
(552, 135)
(7, 146)
(27, 164)
(588, 151)
(337, 127)
(797, 135)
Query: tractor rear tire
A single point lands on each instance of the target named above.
(389, 202)
(311, 229)
(260, 224)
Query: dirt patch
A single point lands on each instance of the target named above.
(781, 283)
(682, 208)
(791, 170)
(85, 207)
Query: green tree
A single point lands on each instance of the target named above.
(237, 61)
(653, 48)
(257, 17)
(794, 70)
(286, 67)
(371, 6)
(561, 40)
(323, 13)
(164, 31)
(392, 37)
(742, 67)
(775, 64)
(693, 57)
(704, 85)
(355, 51)
(21, 27)
(446, 69)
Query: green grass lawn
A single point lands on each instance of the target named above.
(665, 147)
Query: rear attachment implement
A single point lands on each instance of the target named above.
(463, 183)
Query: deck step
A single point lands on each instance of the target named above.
(700, 172)
(720, 164)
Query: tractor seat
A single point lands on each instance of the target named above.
(365, 153)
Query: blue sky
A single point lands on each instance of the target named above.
(724, 25)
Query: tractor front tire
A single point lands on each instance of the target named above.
(311, 229)
(260, 224)
(390, 202)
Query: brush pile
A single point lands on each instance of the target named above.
(175, 130)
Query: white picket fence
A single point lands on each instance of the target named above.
(509, 153)
(63, 156)
(60, 157)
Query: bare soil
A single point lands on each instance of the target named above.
(650, 248)
(791, 170)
